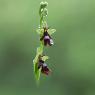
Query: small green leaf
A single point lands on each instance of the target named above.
(51, 31)
(36, 70)
(37, 75)
(35, 62)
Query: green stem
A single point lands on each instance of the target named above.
(41, 23)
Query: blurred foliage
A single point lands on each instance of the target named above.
(72, 57)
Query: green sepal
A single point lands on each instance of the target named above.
(51, 31)
(44, 58)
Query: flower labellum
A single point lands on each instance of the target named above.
(45, 70)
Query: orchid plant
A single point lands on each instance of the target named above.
(46, 40)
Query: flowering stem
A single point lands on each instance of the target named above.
(45, 39)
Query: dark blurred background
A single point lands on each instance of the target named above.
(72, 58)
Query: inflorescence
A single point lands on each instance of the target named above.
(45, 33)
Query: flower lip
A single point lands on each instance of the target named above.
(45, 70)
(46, 37)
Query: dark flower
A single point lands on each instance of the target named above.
(44, 68)
(46, 38)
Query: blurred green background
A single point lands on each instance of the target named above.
(72, 58)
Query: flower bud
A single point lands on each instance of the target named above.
(45, 13)
(43, 4)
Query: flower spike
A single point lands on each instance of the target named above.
(45, 33)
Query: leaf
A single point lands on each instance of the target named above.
(51, 31)
(44, 58)
(35, 65)
(36, 70)
(37, 75)
(35, 62)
